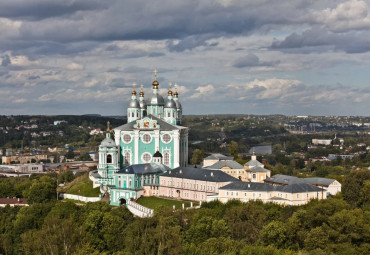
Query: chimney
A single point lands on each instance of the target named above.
(249, 185)
(180, 171)
(211, 173)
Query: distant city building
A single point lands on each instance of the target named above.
(24, 159)
(261, 150)
(96, 131)
(57, 122)
(23, 168)
(13, 202)
(342, 156)
(321, 141)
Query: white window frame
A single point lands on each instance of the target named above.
(142, 157)
(164, 140)
(123, 140)
(142, 138)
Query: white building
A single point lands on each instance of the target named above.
(23, 168)
(321, 141)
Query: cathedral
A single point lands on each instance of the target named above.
(152, 142)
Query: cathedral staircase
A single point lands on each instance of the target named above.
(139, 210)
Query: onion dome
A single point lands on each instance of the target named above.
(142, 104)
(155, 82)
(176, 99)
(178, 105)
(156, 100)
(170, 104)
(157, 154)
(134, 103)
(142, 101)
(108, 142)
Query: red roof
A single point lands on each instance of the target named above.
(8, 201)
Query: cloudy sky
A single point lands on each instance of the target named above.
(301, 57)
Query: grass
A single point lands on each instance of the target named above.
(73, 201)
(81, 186)
(156, 202)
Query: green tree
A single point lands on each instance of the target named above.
(365, 195)
(43, 190)
(70, 155)
(246, 221)
(276, 234)
(197, 156)
(316, 238)
(85, 157)
(353, 185)
(234, 149)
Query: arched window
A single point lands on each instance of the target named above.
(109, 158)
(127, 158)
(166, 158)
(133, 114)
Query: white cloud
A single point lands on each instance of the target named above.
(203, 92)
(20, 100)
(75, 67)
(349, 15)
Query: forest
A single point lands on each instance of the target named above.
(338, 225)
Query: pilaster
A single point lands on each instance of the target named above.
(136, 145)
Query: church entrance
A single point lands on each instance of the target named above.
(178, 193)
(122, 201)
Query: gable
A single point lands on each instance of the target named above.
(147, 123)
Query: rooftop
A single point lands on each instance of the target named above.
(219, 157)
(288, 180)
(164, 125)
(200, 174)
(255, 186)
(144, 169)
(229, 163)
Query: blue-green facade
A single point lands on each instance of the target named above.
(128, 163)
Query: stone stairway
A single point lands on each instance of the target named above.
(139, 210)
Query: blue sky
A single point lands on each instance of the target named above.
(248, 56)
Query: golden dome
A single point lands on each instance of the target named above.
(170, 92)
(155, 84)
(133, 93)
(176, 94)
(141, 90)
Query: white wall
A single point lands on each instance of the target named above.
(80, 198)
